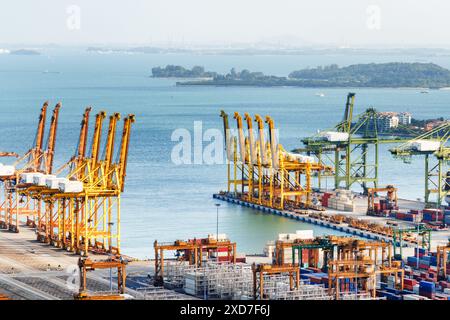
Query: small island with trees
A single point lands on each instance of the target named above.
(171, 71)
(381, 75)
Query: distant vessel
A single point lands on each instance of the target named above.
(424, 91)
(47, 71)
(320, 94)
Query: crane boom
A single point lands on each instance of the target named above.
(8, 154)
(262, 141)
(123, 158)
(226, 131)
(242, 150)
(52, 140)
(81, 151)
(251, 139)
(348, 114)
(109, 148)
(36, 150)
(273, 142)
(96, 138)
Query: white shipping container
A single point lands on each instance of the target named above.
(28, 177)
(333, 136)
(305, 234)
(416, 289)
(222, 236)
(6, 170)
(425, 145)
(299, 157)
(412, 297)
(53, 182)
(40, 180)
(71, 186)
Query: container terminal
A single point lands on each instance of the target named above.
(60, 228)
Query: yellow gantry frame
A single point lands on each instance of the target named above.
(13, 205)
(263, 170)
(87, 220)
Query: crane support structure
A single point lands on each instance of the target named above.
(358, 261)
(85, 265)
(434, 147)
(78, 207)
(351, 148)
(193, 251)
(262, 270)
(443, 261)
(262, 171)
(14, 205)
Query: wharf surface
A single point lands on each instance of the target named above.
(31, 270)
(305, 218)
(343, 227)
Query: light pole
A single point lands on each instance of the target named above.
(356, 275)
(417, 249)
(110, 225)
(217, 226)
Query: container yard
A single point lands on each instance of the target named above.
(61, 235)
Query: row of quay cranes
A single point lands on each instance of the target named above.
(351, 148)
(261, 171)
(39, 158)
(193, 251)
(80, 204)
(341, 257)
(434, 147)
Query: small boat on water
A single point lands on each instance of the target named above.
(320, 94)
(49, 72)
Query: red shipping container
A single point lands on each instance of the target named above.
(221, 259)
(315, 279)
(410, 282)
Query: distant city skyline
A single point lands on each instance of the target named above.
(296, 23)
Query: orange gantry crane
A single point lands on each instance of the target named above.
(443, 263)
(35, 161)
(358, 261)
(86, 265)
(391, 198)
(261, 270)
(193, 251)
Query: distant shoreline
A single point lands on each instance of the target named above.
(421, 76)
(189, 84)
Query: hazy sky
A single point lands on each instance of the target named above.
(337, 22)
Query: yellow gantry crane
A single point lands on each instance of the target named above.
(36, 160)
(262, 171)
(80, 205)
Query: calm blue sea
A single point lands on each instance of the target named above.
(167, 202)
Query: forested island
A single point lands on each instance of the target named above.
(383, 75)
(25, 52)
(171, 71)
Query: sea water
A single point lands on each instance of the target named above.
(165, 201)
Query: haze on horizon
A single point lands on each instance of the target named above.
(362, 23)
